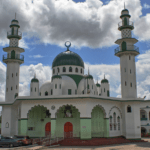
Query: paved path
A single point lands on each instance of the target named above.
(130, 146)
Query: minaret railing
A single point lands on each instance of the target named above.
(16, 56)
(130, 23)
(130, 48)
(9, 33)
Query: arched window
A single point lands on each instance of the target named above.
(7, 125)
(88, 86)
(55, 86)
(110, 118)
(76, 69)
(124, 46)
(130, 70)
(46, 93)
(104, 89)
(125, 22)
(31, 89)
(128, 108)
(35, 89)
(58, 70)
(16, 86)
(124, 69)
(129, 57)
(7, 89)
(16, 74)
(40, 93)
(130, 84)
(118, 119)
(11, 88)
(12, 74)
(70, 69)
(83, 92)
(13, 54)
(60, 86)
(64, 69)
(92, 86)
(51, 91)
(81, 70)
(125, 83)
(114, 116)
(53, 71)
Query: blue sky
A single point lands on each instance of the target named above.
(91, 27)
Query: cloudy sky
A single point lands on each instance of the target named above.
(92, 28)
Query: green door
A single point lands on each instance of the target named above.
(13, 54)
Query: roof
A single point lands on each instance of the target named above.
(14, 20)
(104, 81)
(56, 77)
(68, 58)
(89, 77)
(125, 10)
(34, 80)
(98, 85)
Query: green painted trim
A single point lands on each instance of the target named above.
(34, 80)
(53, 118)
(24, 119)
(106, 118)
(126, 27)
(14, 25)
(76, 78)
(14, 36)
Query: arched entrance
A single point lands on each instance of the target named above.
(68, 130)
(48, 129)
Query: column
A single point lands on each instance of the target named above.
(23, 126)
(53, 127)
(106, 127)
(85, 128)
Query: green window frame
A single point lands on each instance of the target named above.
(55, 86)
(69, 91)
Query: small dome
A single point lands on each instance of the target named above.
(56, 77)
(14, 20)
(104, 81)
(125, 10)
(89, 77)
(98, 85)
(68, 58)
(34, 80)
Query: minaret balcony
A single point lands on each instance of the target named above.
(16, 57)
(131, 49)
(123, 25)
(14, 35)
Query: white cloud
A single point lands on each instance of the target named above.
(36, 56)
(146, 6)
(89, 23)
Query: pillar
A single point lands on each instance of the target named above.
(85, 128)
(53, 127)
(106, 129)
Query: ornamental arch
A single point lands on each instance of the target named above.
(38, 116)
(64, 114)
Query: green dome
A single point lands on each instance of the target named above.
(14, 20)
(34, 80)
(89, 77)
(56, 77)
(104, 81)
(68, 58)
(125, 10)
(98, 85)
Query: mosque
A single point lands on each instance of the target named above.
(71, 104)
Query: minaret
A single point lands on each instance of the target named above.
(13, 59)
(127, 52)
